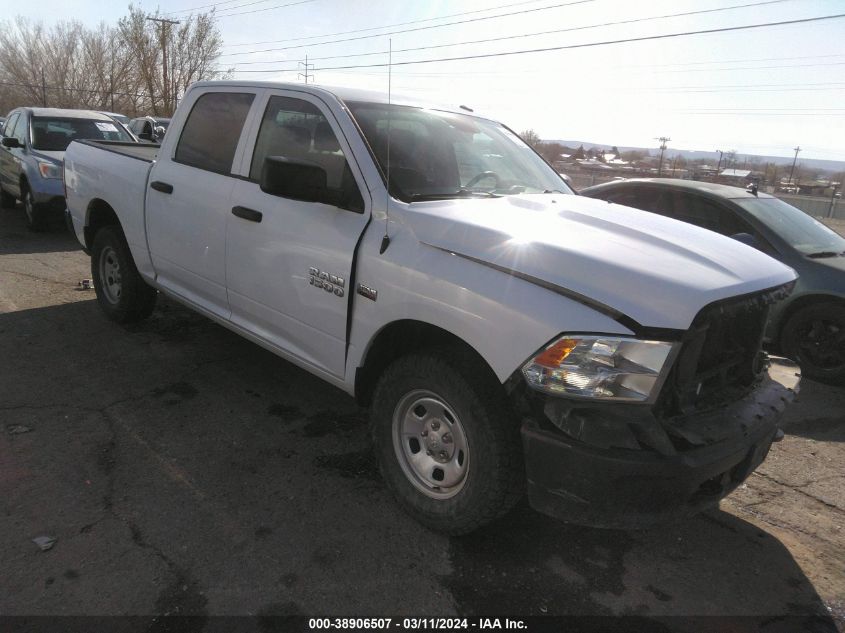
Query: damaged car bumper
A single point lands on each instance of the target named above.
(621, 467)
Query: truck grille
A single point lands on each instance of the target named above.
(721, 357)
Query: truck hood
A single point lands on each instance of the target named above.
(657, 271)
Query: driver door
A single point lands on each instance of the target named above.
(289, 262)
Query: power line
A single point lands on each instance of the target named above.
(522, 35)
(206, 6)
(419, 28)
(756, 114)
(280, 6)
(664, 36)
(215, 5)
(386, 26)
(63, 89)
(716, 70)
(520, 72)
(764, 110)
(789, 85)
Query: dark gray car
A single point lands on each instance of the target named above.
(809, 326)
(149, 129)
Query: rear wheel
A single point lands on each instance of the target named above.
(121, 291)
(815, 338)
(36, 216)
(448, 447)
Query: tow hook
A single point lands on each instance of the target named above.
(778, 436)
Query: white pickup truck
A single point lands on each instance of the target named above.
(507, 335)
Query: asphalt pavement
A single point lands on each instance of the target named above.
(184, 470)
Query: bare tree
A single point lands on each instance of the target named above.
(117, 68)
(192, 47)
(531, 137)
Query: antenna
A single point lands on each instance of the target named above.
(385, 241)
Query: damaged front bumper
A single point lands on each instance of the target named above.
(618, 466)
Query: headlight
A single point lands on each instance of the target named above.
(600, 367)
(49, 170)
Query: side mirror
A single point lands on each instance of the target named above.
(747, 239)
(11, 141)
(298, 180)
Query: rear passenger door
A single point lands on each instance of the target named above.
(188, 198)
(289, 262)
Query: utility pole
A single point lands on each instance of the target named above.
(43, 90)
(720, 164)
(797, 149)
(663, 140)
(306, 66)
(164, 83)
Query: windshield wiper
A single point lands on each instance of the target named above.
(822, 254)
(450, 195)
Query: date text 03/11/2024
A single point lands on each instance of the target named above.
(412, 624)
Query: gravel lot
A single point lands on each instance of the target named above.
(185, 470)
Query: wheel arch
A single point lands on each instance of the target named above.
(98, 214)
(800, 303)
(402, 337)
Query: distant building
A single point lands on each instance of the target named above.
(735, 176)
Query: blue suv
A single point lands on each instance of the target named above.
(31, 154)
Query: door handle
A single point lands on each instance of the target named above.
(247, 214)
(161, 186)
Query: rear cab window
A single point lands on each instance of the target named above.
(211, 133)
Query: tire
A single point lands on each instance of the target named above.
(7, 200)
(36, 215)
(121, 292)
(466, 432)
(815, 338)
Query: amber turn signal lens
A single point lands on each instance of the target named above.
(555, 354)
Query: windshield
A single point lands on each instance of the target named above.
(804, 233)
(435, 155)
(55, 133)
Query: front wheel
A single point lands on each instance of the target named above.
(815, 338)
(447, 446)
(121, 291)
(36, 217)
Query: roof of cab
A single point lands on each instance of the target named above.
(341, 93)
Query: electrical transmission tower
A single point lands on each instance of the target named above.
(306, 67)
(663, 140)
(797, 149)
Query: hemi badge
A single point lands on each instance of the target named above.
(366, 291)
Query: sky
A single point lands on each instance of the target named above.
(763, 90)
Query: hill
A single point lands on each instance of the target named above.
(835, 166)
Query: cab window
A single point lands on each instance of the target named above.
(10, 124)
(212, 131)
(297, 130)
(19, 131)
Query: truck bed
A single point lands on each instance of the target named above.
(142, 151)
(110, 174)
